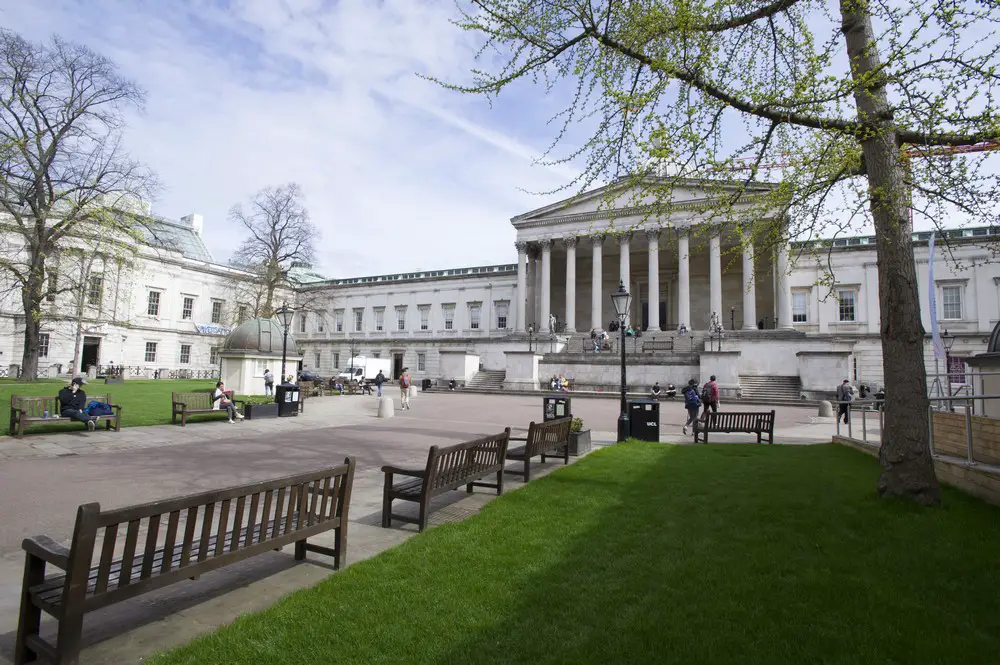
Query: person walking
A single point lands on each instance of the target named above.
(268, 382)
(710, 397)
(379, 380)
(72, 401)
(692, 403)
(845, 395)
(404, 390)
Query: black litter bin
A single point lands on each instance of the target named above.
(425, 384)
(287, 397)
(644, 419)
(555, 406)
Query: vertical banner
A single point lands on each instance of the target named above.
(936, 343)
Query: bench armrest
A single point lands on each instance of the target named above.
(518, 438)
(180, 404)
(47, 550)
(397, 471)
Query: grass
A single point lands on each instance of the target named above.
(143, 402)
(646, 553)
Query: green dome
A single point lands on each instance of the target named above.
(257, 336)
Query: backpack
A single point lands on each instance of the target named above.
(691, 400)
(404, 381)
(706, 394)
(95, 408)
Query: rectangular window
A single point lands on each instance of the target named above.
(153, 303)
(449, 316)
(53, 285)
(951, 303)
(800, 306)
(338, 320)
(321, 322)
(336, 360)
(377, 354)
(317, 358)
(359, 320)
(216, 311)
(421, 362)
(185, 354)
(846, 305)
(213, 356)
(475, 309)
(151, 352)
(400, 318)
(187, 308)
(425, 317)
(303, 317)
(95, 290)
(43, 345)
(501, 310)
(956, 370)
(241, 313)
(379, 319)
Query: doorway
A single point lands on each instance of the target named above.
(397, 365)
(645, 314)
(91, 353)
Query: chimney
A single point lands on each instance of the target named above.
(195, 221)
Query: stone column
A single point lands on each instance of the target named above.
(784, 289)
(715, 274)
(546, 297)
(749, 287)
(522, 285)
(570, 283)
(683, 279)
(596, 300)
(625, 267)
(653, 235)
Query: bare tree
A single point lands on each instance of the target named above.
(61, 119)
(279, 234)
(861, 104)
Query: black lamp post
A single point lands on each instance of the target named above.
(621, 300)
(949, 341)
(732, 318)
(285, 314)
(531, 332)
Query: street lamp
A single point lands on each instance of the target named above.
(531, 331)
(285, 314)
(621, 300)
(732, 318)
(949, 341)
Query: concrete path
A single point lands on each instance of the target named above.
(44, 478)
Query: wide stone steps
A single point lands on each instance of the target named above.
(487, 380)
(779, 388)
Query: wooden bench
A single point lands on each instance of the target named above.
(189, 404)
(310, 389)
(181, 539)
(542, 439)
(758, 423)
(447, 469)
(649, 345)
(26, 411)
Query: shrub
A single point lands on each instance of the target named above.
(576, 424)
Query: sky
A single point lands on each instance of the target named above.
(399, 174)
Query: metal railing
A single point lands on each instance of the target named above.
(643, 344)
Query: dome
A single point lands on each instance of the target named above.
(257, 336)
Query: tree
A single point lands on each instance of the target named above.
(279, 234)
(61, 118)
(861, 119)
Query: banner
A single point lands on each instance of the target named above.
(936, 343)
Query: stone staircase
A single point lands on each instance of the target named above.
(487, 380)
(768, 388)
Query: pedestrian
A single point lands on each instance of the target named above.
(220, 400)
(845, 395)
(72, 401)
(379, 380)
(268, 382)
(710, 397)
(404, 389)
(692, 403)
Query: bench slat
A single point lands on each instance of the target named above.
(151, 537)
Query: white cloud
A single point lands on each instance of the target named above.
(397, 175)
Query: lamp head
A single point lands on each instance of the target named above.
(621, 300)
(948, 339)
(285, 315)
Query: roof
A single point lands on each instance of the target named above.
(169, 235)
(262, 336)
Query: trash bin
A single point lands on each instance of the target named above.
(644, 419)
(555, 406)
(425, 384)
(287, 397)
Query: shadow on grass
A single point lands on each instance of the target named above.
(651, 553)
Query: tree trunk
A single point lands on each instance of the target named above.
(905, 452)
(31, 300)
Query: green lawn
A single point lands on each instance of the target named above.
(143, 402)
(648, 553)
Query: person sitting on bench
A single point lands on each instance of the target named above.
(72, 401)
(221, 400)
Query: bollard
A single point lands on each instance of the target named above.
(825, 409)
(385, 407)
(413, 391)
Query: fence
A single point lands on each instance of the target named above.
(643, 344)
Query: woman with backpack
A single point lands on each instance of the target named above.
(692, 403)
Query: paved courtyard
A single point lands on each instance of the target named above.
(43, 478)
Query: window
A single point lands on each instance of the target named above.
(187, 308)
(379, 319)
(501, 310)
(213, 356)
(400, 318)
(303, 318)
(359, 319)
(153, 303)
(421, 362)
(151, 352)
(336, 360)
(317, 358)
(241, 313)
(43, 345)
(475, 309)
(800, 306)
(425, 317)
(185, 354)
(53, 285)
(95, 290)
(216, 311)
(338, 320)
(449, 316)
(846, 305)
(951, 303)
(321, 322)
(956, 370)
(376, 354)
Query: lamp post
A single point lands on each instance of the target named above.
(531, 332)
(285, 314)
(732, 318)
(949, 341)
(621, 300)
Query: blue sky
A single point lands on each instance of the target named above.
(399, 174)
